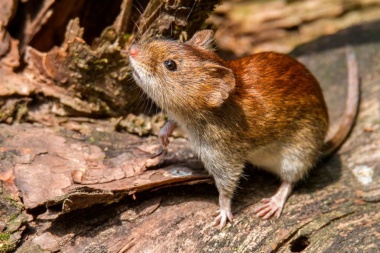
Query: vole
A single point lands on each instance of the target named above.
(266, 109)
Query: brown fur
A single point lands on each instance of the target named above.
(267, 109)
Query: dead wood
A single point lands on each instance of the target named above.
(88, 188)
(62, 59)
(73, 63)
(246, 27)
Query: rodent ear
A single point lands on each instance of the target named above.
(223, 81)
(202, 39)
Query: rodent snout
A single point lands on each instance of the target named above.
(133, 52)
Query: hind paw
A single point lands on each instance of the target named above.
(269, 207)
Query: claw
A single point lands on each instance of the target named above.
(160, 151)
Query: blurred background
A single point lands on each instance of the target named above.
(246, 27)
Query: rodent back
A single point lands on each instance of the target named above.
(279, 96)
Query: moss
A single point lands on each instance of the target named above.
(14, 203)
(4, 237)
(5, 244)
(14, 218)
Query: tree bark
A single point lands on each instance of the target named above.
(65, 59)
(246, 27)
(72, 63)
(85, 187)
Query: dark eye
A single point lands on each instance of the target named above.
(170, 65)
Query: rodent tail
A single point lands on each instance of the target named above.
(351, 110)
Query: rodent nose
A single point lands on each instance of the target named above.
(134, 51)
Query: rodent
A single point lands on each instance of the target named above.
(266, 109)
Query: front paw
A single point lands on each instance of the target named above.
(163, 137)
(165, 132)
(221, 218)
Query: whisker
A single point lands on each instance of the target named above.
(140, 7)
(138, 28)
(191, 10)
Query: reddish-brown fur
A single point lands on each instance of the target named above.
(267, 109)
(275, 90)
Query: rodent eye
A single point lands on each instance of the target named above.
(170, 65)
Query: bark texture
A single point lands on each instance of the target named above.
(72, 55)
(246, 27)
(65, 59)
(74, 184)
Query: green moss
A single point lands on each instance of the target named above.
(5, 244)
(4, 237)
(14, 218)
(15, 203)
(126, 36)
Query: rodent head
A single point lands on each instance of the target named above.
(182, 77)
